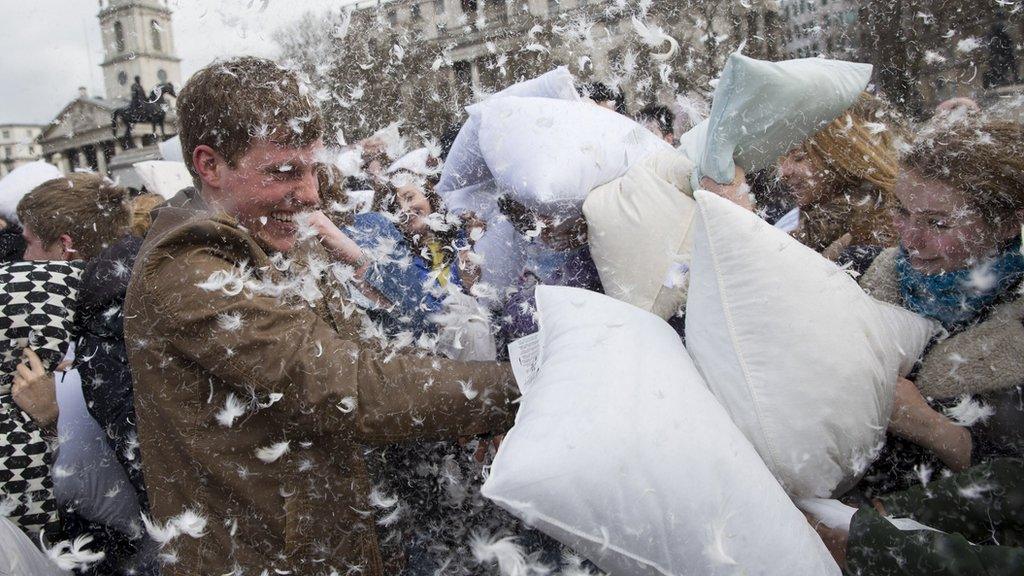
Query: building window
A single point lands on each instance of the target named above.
(392, 17)
(119, 37)
(154, 31)
(8, 152)
(122, 78)
(553, 6)
(469, 6)
(7, 134)
(438, 7)
(463, 72)
(416, 14)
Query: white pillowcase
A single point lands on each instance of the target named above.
(621, 452)
(549, 154)
(464, 165)
(22, 180)
(762, 109)
(803, 359)
(640, 233)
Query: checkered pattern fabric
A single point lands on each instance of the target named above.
(37, 301)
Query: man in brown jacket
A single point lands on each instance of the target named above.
(254, 397)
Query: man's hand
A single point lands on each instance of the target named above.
(337, 243)
(34, 390)
(736, 191)
(912, 418)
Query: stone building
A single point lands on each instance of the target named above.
(18, 146)
(138, 41)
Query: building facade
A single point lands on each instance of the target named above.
(138, 41)
(820, 27)
(18, 146)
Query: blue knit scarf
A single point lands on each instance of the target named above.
(956, 299)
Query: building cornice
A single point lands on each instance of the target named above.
(115, 10)
(128, 56)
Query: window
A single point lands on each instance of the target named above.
(553, 6)
(438, 7)
(154, 31)
(122, 78)
(7, 134)
(8, 152)
(416, 14)
(392, 17)
(119, 37)
(469, 6)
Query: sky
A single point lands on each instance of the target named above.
(48, 48)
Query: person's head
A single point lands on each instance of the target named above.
(561, 233)
(599, 93)
(251, 135)
(73, 217)
(142, 213)
(412, 198)
(854, 151)
(960, 194)
(659, 120)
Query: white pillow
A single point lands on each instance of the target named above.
(164, 177)
(621, 452)
(20, 182)
(640, 233)
(549, 154)
(762, 109)
(464, 165)
(803, 359)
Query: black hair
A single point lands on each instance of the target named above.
(660, 114)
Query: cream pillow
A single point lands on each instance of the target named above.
(804, 361)
(640, 233)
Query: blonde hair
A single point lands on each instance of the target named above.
(142, 213)
(87, 207)
(858, 148)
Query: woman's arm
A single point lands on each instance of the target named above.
(913, 419)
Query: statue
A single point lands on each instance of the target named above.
(150, 109)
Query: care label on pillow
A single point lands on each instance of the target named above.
(525, 356)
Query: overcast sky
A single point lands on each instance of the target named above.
(48, 48)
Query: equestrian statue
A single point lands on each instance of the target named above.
(142, 109)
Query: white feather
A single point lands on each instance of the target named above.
(233, 408)
(273, 452)
(654, 37)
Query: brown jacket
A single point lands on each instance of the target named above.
(303, 378)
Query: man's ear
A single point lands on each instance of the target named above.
(67, 245)
(208, 163)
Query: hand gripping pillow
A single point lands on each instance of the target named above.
(640, 233)
(36, 309)
(620, 451)
(803, 359)
(763, 109)
(551, 153)
(464, 165)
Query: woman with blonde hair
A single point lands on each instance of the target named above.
(842, 179)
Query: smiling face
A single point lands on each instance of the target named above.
(414, 208)
(266, 188)
(802, 178)
(939, 228)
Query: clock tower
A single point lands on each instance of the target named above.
(137, 41)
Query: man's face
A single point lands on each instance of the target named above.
(269, 185)
(37, 249)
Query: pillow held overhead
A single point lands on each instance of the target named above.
(803, 360)
(620, 451)
(761, 110)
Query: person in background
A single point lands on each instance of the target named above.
(842, 179)
(959, 210)
(659, 120)
(12, 243)
(142, 212)
(603, 96)
(78, 217)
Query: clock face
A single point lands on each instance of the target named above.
(122, 78)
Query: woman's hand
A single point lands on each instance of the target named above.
(736, 191)
(34, 390)
(337, 243)
(913, 419)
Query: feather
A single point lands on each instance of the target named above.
(233, 408)
(653, 36)
(273, 452)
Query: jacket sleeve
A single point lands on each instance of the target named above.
(255, 342)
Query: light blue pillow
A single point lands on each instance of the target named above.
(762, 109)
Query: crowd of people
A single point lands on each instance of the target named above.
(292, 369)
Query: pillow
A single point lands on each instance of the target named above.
(640, 234)
(803, 359)
(549, 154)
(762, 109)
(620, 452)
(464, 165)
(20, 181)
(37, 303)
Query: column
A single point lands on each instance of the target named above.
(101, 158)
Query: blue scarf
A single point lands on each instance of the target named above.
(956, 299)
